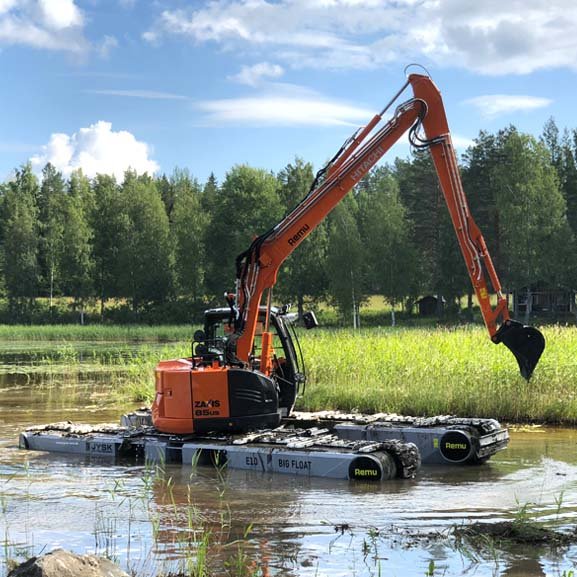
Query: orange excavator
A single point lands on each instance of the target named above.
(229, 385)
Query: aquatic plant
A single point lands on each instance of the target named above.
(413, 371)
(439, 371)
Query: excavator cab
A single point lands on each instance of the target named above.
(288, 365)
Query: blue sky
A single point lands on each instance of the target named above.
(107, 84)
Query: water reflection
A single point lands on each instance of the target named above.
(153, 520)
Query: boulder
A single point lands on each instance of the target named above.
(60, 563)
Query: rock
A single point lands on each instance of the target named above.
(60, 563)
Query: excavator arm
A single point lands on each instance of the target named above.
(258, 266)
(526, 343)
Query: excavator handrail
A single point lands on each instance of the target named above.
(417, 65)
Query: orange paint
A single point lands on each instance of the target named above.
(185, 394)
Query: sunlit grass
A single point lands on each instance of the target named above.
(417, 372)
(440, 371)
(70, 333)
(404, 370)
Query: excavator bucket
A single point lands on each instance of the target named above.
(526, 343)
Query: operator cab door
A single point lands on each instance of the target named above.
(286, 371)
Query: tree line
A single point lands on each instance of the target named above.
(155, 249)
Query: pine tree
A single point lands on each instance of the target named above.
(145, 257)
(426, 210)
(532, 212)
(76, 262)
(248, 204)
(189, 229)
(568, 178)
(167, 192)
(52, 223)
(210, 194)
(390, 255)
(345, 260)
(550, 138)
(108, 222)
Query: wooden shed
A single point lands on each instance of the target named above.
(429, 305)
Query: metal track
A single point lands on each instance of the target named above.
(479, 439)
(483, 426)
(310, 451)
(442, 439)
(406, 455)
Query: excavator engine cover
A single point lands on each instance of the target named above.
(212, 398)
(526, 343)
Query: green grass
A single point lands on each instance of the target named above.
(415, 371)
(423, 372)
(440, 371)
(103, 333)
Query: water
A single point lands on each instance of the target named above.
(152, 521)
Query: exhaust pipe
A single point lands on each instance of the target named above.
(526, 343)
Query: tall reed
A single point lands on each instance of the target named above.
(440, 371)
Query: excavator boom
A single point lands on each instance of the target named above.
(228, 384)
(257, 267)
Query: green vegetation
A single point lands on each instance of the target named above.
(155, 250)
(442, 371)
(415, 371)
(525, 528)
(101, 333)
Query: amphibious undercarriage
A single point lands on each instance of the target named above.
(325, 444)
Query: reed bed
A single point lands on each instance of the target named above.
(98, 333)
(440, 371)
(412, 371)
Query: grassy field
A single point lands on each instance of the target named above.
(405, 370)
(441, 371)
(100, 333)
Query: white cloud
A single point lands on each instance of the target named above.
(96, 150)
(493, 105)
(60, 14)
(6, 5)
(145, 94)
(151, 37)
(108, 44)
(44, 24)
(491, 37)
(283, 105)
(252, 75)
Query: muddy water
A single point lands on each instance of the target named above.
(152, 521)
